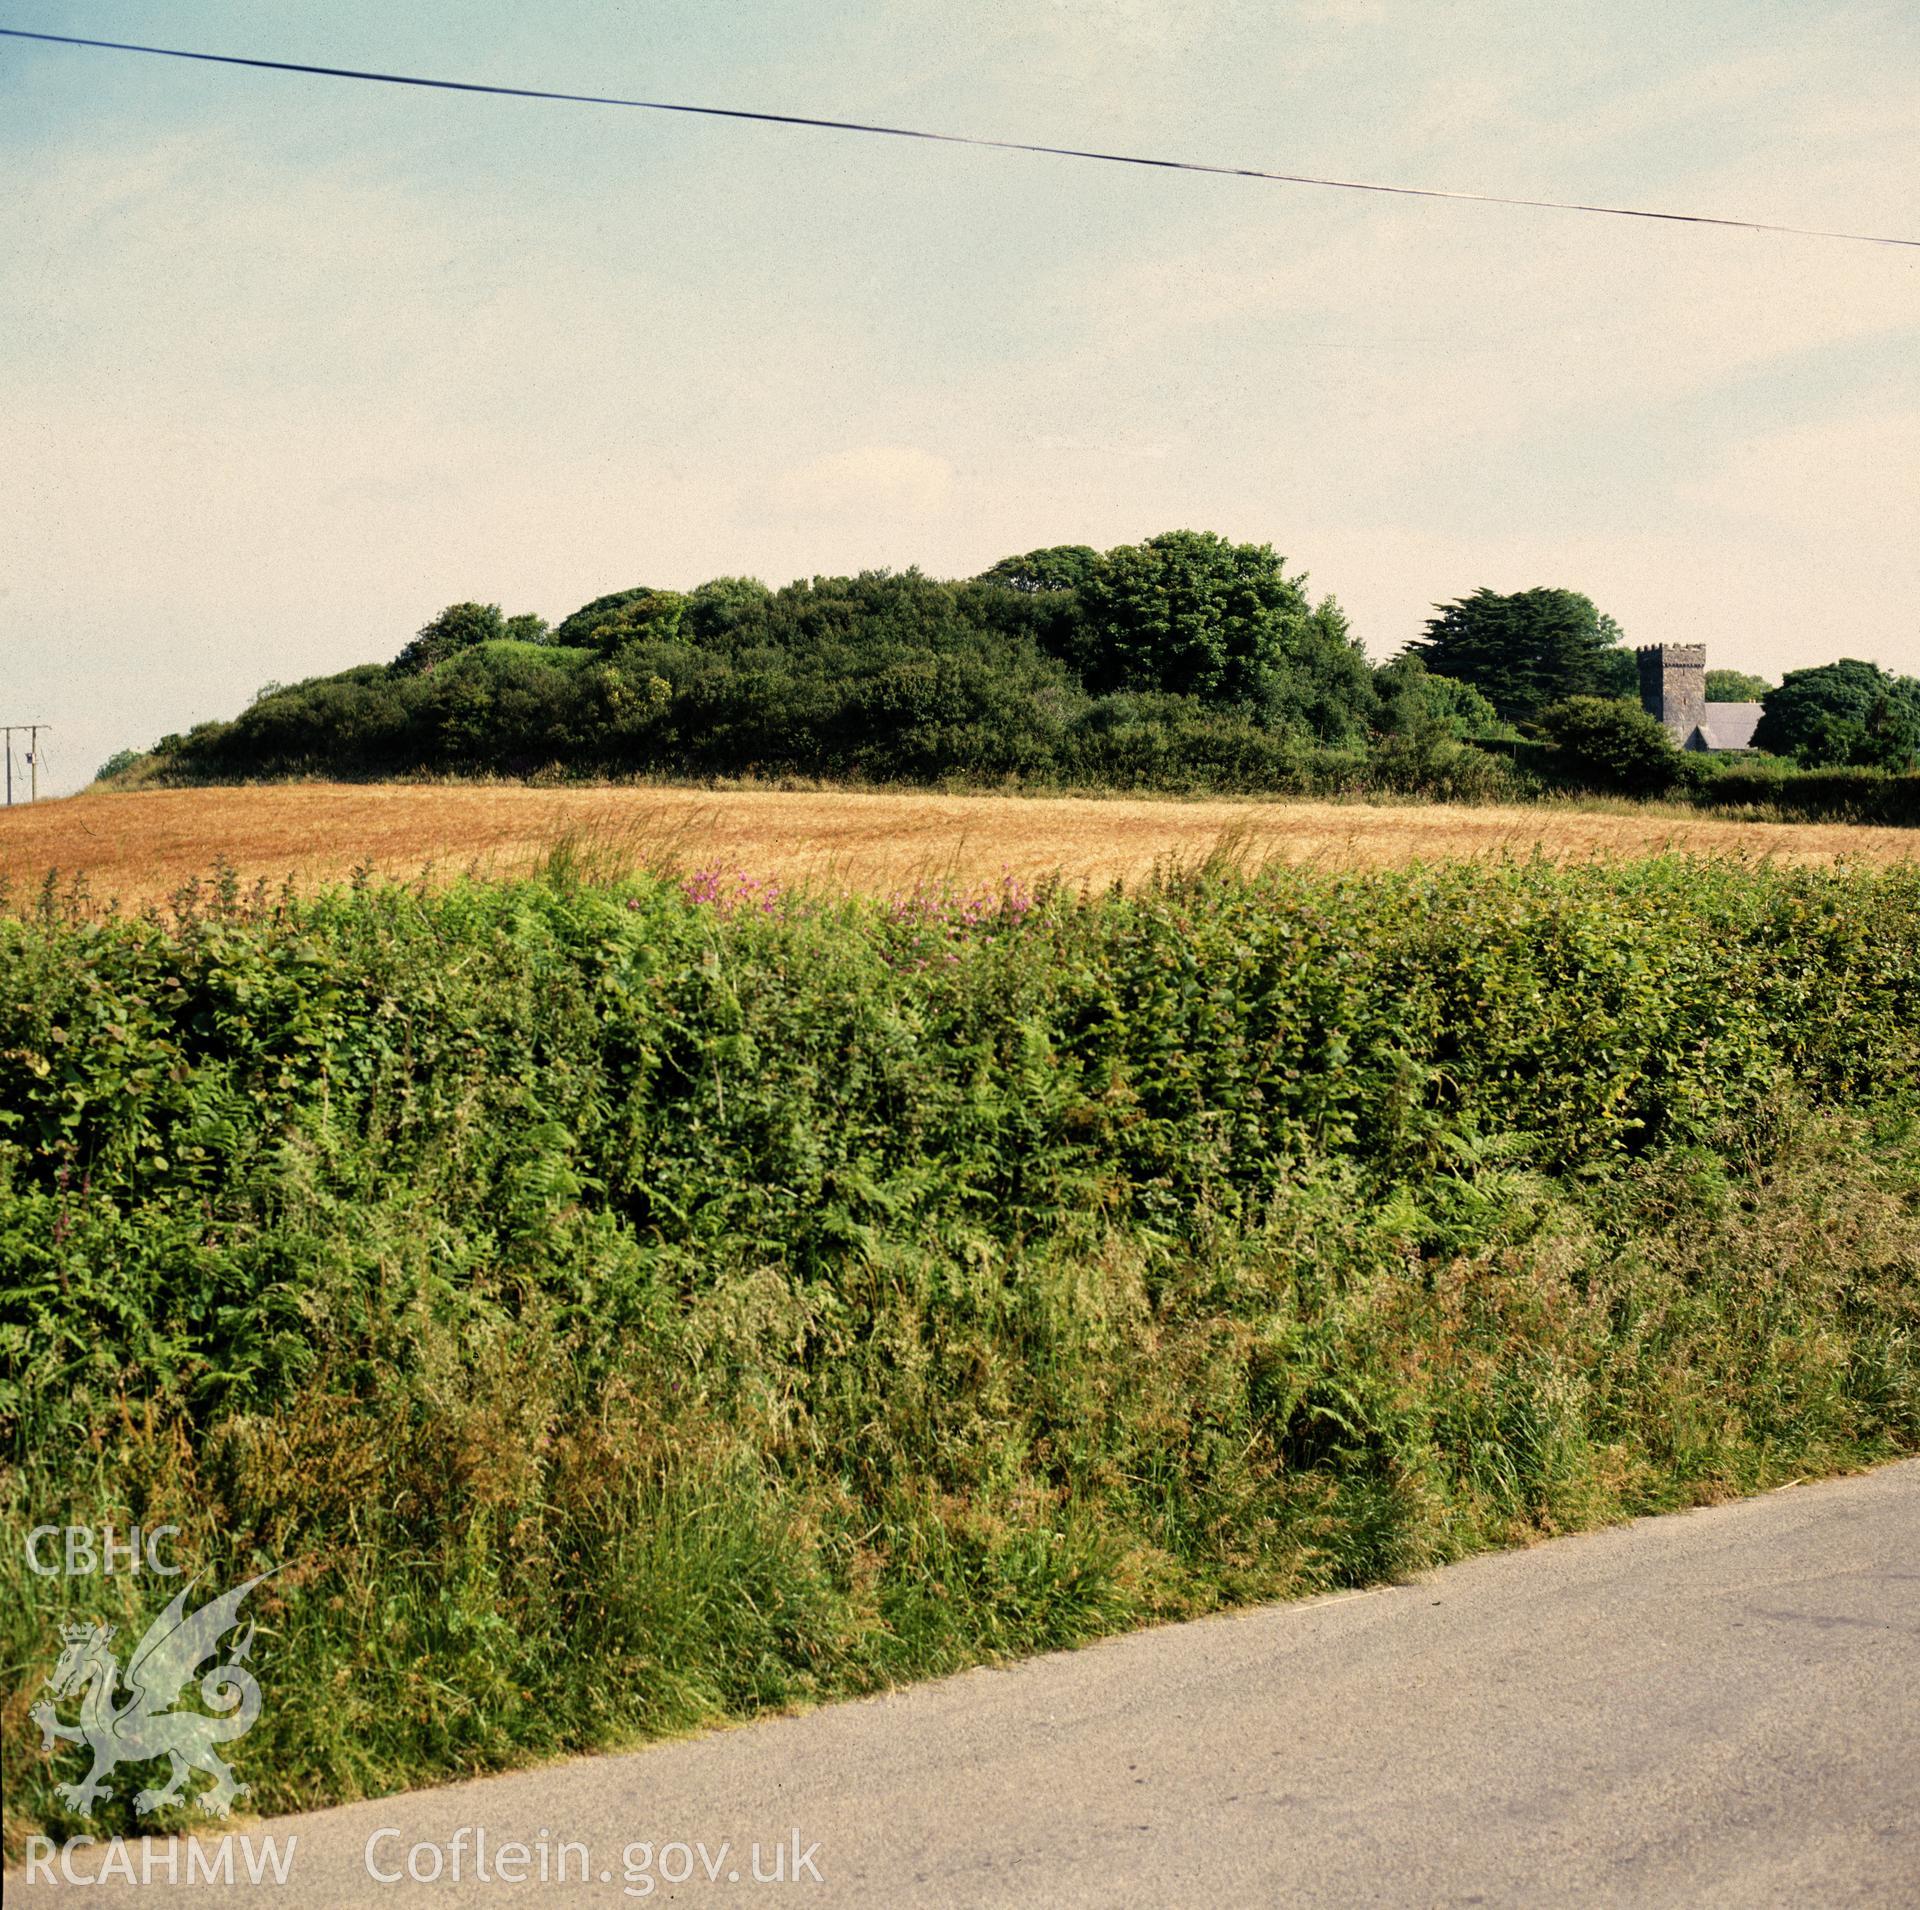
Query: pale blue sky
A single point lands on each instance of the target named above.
(286, 364)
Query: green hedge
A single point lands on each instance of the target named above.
(613, 1308)
(1812, 795)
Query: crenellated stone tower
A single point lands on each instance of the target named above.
(1673, 686)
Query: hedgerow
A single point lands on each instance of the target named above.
(615, 1307)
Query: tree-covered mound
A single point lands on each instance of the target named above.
(1182, 661)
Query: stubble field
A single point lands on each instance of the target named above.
(140, 845)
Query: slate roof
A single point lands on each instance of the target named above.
(1729, 725)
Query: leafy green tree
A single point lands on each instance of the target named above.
(1057, 567)
(636, 615)
(1735, 686)
(1606, 744)
(576, 631)
(1844, 713)
(120, 760)
(1188, 612)
(1035, 597)
(527, 629)
(1412, 697)
(1322, 683)
(458, 627)
(1618, 667)
(1191, 613)
(726, 611)
(1528, 649)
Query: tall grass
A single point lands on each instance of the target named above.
(618, 1306)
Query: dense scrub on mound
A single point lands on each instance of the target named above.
(612, 1308)
(1184, 664)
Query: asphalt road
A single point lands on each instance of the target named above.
(1721, 1707)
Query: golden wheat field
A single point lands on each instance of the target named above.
(140, 845)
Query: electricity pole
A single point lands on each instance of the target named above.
(33, 758)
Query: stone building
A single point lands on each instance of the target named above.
(1673, 687)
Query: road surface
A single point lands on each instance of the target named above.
(1721, 1707)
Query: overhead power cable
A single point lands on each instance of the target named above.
(948, 139)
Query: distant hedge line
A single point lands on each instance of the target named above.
(1811, 795)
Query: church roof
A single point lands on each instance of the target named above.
(1729, 725)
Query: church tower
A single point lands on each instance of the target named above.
(1673, 686)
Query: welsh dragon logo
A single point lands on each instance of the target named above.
(139, 1727)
